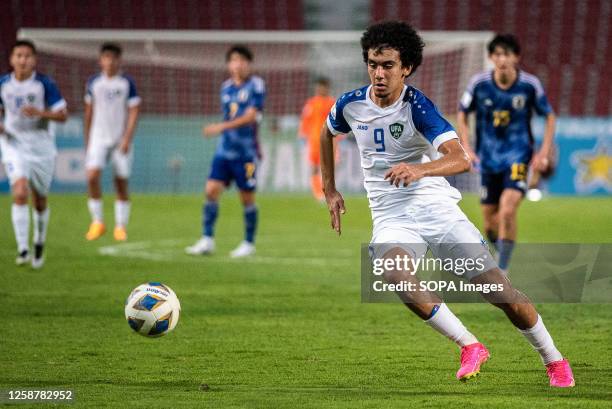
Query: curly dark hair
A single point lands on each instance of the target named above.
(396, 35)
(508, 42)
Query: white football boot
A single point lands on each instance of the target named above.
(22, 258)
(244, 249)
(206, 245)
(38, 260)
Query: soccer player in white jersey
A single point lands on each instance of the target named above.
(111, 113)
(406, 148)
(30, 101)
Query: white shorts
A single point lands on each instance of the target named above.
(433, 222)
(38, 170)
(98, 154)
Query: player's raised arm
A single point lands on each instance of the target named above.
(335, 202)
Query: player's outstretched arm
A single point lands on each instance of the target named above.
(335, 202)
(454, 161)
(250, 116)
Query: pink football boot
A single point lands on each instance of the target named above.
(560, 374)
(472, 356)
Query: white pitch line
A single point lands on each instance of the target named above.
(159, 251)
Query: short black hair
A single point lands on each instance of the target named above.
(111, 48)
(24, 43)
(324, 81)
(507, 41)
(243, 50)
(396, 35)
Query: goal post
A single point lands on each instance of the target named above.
(178, 74)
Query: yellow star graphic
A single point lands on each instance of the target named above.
(597, 167)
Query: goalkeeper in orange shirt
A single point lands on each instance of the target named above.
(314, 115)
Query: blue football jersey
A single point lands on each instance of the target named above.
(241, 143)
(503, 118)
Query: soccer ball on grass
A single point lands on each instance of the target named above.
(152, 309)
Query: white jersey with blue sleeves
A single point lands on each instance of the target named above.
(410, 130)
(34, 135)
(111, 98)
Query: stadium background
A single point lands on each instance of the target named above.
(286, 328)
(560, 41)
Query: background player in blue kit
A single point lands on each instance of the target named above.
(504, 100)
(242, 99)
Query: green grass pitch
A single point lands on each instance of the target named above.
(284, 329)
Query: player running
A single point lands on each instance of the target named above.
(111, 113)
(242, 99)
(30, 101)
(504, 100)
(313, 118)
(406, 148)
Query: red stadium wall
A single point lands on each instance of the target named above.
(157, 14)
(564, 42)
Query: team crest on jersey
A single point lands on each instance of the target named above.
(243, 95)
(396, 130)
(518, 101)
(31, 98)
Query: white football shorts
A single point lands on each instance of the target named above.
(37, 169)
(434, 222)
(99, 154)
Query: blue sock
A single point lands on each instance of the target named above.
(210, 210)
(505, 248)
(250, 223)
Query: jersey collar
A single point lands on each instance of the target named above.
(391, 108)
(516, 80)
(27, 80)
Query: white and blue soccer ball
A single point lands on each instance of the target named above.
(152, 309)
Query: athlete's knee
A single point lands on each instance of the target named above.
(93, 177)
(20, 192)
(247, 198)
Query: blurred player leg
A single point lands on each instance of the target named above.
(40, 182)
(95, 159)
(491, 222)
(122, 165)
(40, 217)
(210, 211)
(18, 172)
(122, 209)
(20, 215)
(508, 206)
(247, 247)
(95, 205)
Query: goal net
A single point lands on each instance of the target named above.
(178, 75)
